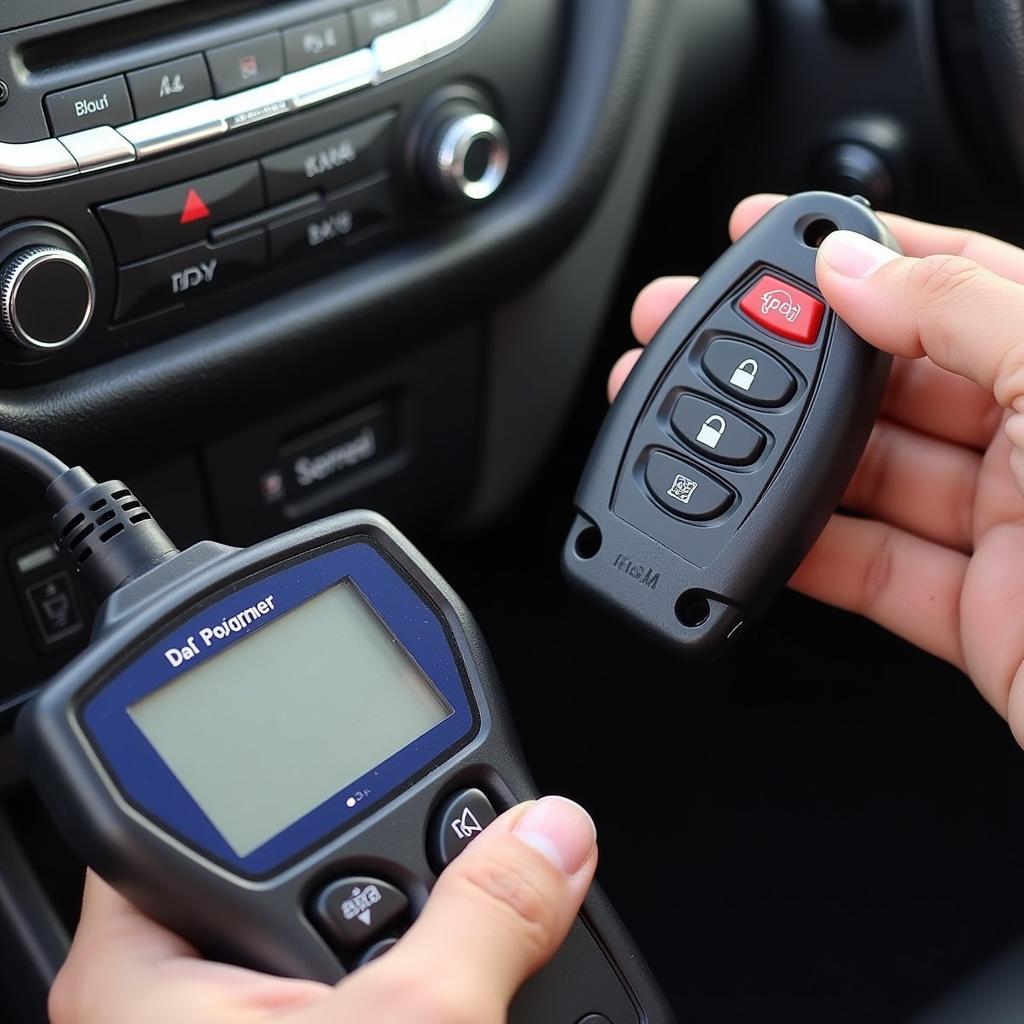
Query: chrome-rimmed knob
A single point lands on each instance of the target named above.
(47, 298)
(468, 157)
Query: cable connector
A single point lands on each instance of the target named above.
(104, 531)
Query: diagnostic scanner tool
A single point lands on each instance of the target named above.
(732, 440)
(274, 751)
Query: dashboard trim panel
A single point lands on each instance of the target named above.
(99, 148)
(30, 162)
(389, 54)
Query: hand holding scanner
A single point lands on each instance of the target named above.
(275, 751)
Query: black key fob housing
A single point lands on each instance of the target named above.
(733, 439)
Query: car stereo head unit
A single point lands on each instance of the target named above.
(147, 172)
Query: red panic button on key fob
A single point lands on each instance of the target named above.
(784, 310)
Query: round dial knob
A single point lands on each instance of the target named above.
(467, 156)
(47, 296)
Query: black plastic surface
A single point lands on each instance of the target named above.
(655, 538)
(264, 927)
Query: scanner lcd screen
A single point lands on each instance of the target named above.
(289, 716)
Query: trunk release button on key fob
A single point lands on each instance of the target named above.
(684, 490)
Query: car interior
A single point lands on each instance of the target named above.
(270, 260)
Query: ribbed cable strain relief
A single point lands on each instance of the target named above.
(105, 532)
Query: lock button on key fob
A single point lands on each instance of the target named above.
(748, 373)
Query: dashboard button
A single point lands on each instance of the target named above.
(168, 86)
(715, 432)
(783, 309)
(172, 217)
(352, 911)
(331, 161)
(318, 466)
(89, 106)
(245, 64)
(317, 41)
(376, 19)
(54, 608)
(341, 220)
(684, 490)
(53, 603)
(748, 373)
(457, 823)
(195, 272)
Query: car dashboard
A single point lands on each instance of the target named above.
(320, 255)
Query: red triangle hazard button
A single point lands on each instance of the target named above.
(194, 209)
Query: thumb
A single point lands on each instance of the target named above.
(951, 309)
(497, 914)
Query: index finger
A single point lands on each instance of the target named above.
(112, 923)
(115, 951)
(916, 238)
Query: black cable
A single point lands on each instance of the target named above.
(103, 530)
(31, 458)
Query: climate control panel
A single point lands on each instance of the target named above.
(276, 146)
(96, 125)
(186, 240)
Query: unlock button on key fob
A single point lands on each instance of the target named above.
(716, 432)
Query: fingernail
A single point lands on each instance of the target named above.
(1014, 428)
(854, 255)
(561, 830)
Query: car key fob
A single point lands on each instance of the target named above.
(733, 439)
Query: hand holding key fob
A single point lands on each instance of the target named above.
(732, 440)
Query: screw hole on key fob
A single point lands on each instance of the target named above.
(818, 230)
(588, 543)
(692, 610)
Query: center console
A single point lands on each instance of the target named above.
(274, 260)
